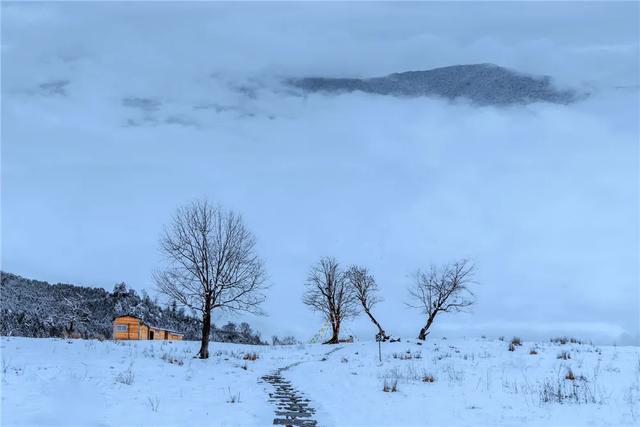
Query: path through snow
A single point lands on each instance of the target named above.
(293, 409)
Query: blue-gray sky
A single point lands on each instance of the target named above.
(114, 114)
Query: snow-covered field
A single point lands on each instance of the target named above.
(48, 382)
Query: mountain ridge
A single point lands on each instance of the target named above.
(483, 84)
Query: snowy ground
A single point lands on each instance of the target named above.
(55, 382)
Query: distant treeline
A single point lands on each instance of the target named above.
(31, 308)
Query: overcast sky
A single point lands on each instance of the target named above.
(114, 114)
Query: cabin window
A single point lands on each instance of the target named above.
(122, 328)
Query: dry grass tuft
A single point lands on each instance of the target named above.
(564, 355)
(428, 378)
(390, 388)
(569, 376)
(250, 356)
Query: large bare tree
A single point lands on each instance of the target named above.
(442, 290)
(328, 292)
(211, 263)
(365, 289)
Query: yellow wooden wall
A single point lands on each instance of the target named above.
(133, 325)
(138, 330)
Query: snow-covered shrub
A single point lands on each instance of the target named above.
(533, 351)
(126, 377)
(511, 347)
(516, 341)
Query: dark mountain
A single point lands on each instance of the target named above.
(484, 84)
(32, 308)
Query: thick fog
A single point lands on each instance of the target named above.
(115, 114)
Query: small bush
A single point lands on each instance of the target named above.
(511, 347)
(344, 360)
(501, 338)
(516, 341)
(564, 355)
(245, 367)
(250, 356)
(390, 387)
(533, 351)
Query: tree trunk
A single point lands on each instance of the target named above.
(424, 331)
(381, 333)
(206, 331)
(335, 336)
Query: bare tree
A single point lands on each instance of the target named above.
(329, 293)
(211, 264)
(365, 289)
(442, 290)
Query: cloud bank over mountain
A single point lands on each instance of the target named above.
(115, 114)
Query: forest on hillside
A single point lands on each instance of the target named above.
(32, 308)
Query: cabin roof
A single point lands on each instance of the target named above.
(147, 324)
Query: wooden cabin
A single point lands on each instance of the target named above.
(128, 327)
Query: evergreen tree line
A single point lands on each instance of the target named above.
(32, 308)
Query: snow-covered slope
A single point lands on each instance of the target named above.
(60, 382)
